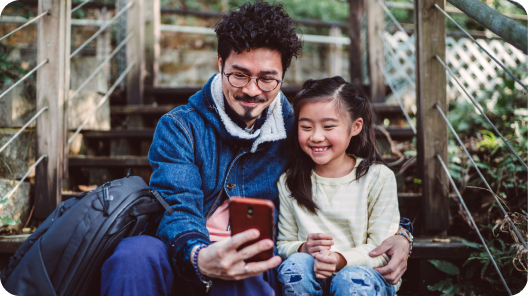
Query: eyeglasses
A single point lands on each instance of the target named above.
(265, 83)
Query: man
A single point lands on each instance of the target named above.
(229, 140)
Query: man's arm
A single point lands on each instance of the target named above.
(397, 248)
(177, 178)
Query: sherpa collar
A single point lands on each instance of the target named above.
(273, 128)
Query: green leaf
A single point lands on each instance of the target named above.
(441, 285)
(484, 268)
(471, 271)
(9, 221)
(7, 166)
(451, 290)
(471, 245)
(445, 266)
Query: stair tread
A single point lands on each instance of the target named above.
(423, 248)
(108, 161)
(122, 133)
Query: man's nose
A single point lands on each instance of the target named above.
(251, 89)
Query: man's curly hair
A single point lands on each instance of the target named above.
(258, 25)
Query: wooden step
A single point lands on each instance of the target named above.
(108, 161)
(152, 110)
(120, 133)
(396, 133)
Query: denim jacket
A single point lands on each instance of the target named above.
(197, 151)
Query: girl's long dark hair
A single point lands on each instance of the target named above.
(352, 102)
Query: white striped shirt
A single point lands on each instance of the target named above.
(359, 214)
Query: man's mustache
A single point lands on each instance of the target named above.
(246, 98)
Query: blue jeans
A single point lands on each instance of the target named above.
(297, 277)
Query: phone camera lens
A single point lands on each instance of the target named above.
(250, 211)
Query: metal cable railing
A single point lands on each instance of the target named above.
(482, 112)
(24, 25)
(23, 78)
(101, 102)
(394, 57)
(392, 17)
(101, 30)
(478, 44)
(8, 195)
(79, 6)
(480, 174)
(472, 221)
(101, 66)
(400, 102)
(23, 128)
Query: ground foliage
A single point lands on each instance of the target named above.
(507, 109)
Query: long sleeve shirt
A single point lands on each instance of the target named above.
(359, 214)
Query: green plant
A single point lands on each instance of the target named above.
(505, 106)
(477, 276)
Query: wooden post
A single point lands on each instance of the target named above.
(375, 23)
(336, 53)
(354, 49)
(152, 38)
(52, 83)
(432, 134)
(134, 52)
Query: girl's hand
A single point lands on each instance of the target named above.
(316, 242)
(325, 264)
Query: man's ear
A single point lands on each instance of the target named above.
(220, 62)
(357, 126)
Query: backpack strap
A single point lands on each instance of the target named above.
(163, 203)
(214, 203)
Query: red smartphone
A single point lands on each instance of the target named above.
(249, 213)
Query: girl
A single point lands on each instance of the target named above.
(338, 201)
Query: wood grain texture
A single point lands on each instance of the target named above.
(432, 130)
(53, 44)
(152, 38)
(134, 52)
(354, 32)
(375, 23)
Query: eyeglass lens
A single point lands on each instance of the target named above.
(265, 83)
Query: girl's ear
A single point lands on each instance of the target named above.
(357, 126)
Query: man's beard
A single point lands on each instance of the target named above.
(246, 116)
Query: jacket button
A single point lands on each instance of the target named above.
(230, 186)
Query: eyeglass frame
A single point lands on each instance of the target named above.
(256, 80)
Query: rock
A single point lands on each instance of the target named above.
(82, 105)
(17, 207)
(19, 155)
(18, 105)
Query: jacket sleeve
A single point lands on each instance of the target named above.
(176, 177)
(287, 241)
(383, 222)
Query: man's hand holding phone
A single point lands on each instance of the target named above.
(222, 260)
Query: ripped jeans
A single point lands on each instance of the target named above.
(297, 278)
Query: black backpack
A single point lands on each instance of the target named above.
(65, 254)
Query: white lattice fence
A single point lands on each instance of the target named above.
(473, 67)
